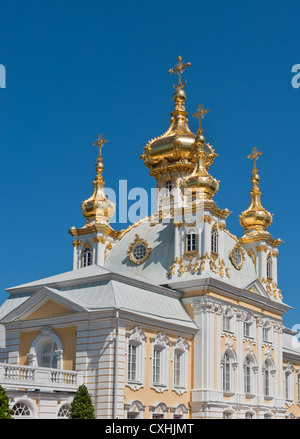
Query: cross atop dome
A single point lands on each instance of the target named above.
(178, 70)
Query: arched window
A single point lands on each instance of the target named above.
(134, 410)
(289, 381)
(228, 365)
(214, 240)
(20, 409)
(247, 376)
(191, 240)
(48, 356)
(46, 350)
(249, 415)
(269, 267)
(160, 362)
(269, 371)
(180, 365)
(267, 390)
(159, 411)
(86, 257)
(136, 346)
(226, 373)
(168, 188)
(64, 411)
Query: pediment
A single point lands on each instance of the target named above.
(256, 287)
(45, 303)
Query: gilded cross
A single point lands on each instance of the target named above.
(254, 156)
(99, 143)
(178, 70)
(200, 113)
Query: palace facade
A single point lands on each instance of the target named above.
(174, 317)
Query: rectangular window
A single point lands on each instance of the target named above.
(287, 389)
(131, 362)
(267, 383)
(298, 388)
(191, 242)
(156, 366)
(247, 378)
(226, 323)
(157, 416)
(177, 369)
(246, 329)
(226, 377)
(265, 334)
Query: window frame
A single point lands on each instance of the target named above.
(137, 339)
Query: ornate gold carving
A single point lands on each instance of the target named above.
(100, 239)
(107, 247)
(76, 243)
(207, 219)
(178, 224)
(261, 248)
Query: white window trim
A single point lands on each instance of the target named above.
(227, 313)
(232, 371)
(46, 335)
(181, 346)
(289, 380)
(253, 371)
(179, 409)
(162, 343)
(159, 408)
(137, 338)
(272, 371)
(135, 407)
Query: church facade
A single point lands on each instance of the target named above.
(173, 318)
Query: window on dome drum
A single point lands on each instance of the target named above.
(139, 252)
(21, 409)
(269, 267)
(132, 357)
(248, 415)
(214, 241)
(64, 411)
(87, 257)
(48, 355)
(168, 188)
(191, 241)
(237, 256)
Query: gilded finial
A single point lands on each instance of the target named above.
(199, 114)
(254, 156)
(99, 143)
(178, 70)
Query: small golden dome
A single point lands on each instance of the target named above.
(255, 217)
(98, 208)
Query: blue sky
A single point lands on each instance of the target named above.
(77, 69)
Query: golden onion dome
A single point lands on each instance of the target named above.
(256, 217)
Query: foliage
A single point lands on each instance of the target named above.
(82, 406)
(5, 411)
